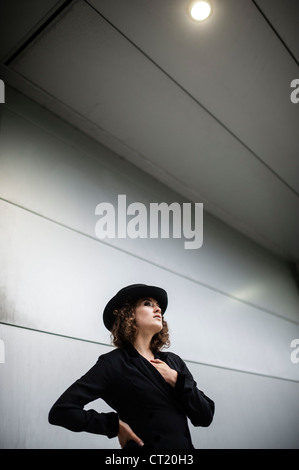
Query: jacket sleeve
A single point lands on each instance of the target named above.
(198, 407)
(68, 411)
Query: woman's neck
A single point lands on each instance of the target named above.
(142, 345)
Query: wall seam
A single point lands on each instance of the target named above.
(183, 276)
(232, 369)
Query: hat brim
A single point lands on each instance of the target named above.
(133, 293)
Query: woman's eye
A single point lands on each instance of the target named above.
(148, 302)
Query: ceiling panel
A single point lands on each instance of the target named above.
(204, 108)
(233, 65)
(284, 17)
(19, 19)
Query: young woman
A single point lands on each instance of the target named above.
(152, 392)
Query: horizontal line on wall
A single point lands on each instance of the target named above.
(195, 281)
(259, 374)
(52, 333)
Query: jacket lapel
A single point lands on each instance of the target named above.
(147, 369)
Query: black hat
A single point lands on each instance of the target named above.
(133, 293)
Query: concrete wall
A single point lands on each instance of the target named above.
(233, 307)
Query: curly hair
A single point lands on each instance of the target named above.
(124, 329)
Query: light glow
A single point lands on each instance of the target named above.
(200, 11)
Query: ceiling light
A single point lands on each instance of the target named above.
(200, 10)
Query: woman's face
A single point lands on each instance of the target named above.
(148, 316)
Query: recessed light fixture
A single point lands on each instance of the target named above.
(200, 11)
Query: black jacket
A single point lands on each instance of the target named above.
(140, 396)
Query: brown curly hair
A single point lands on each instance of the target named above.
(124, 329)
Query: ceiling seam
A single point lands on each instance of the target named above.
(68, 2)
(39, 30)
(195, 100)
(275, 31)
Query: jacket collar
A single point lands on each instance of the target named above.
(135, 354)
(129, 348)
(147, 369)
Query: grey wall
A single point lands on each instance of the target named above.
(233, 306)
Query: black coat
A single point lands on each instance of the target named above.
(140, 396)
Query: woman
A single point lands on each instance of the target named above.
(152, 392)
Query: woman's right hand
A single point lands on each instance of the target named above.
(126, 434)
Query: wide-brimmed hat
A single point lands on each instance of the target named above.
(131, 294)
